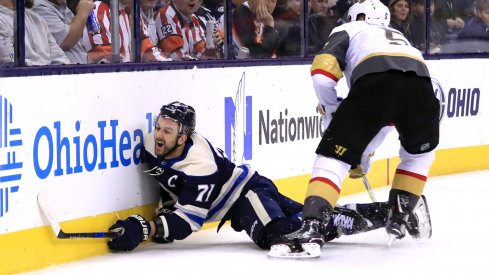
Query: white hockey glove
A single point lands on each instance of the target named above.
(327, 112)
(362, 169)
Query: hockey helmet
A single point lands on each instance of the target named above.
(374, 12)
(181, 113)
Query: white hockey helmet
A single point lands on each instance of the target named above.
(374, 11)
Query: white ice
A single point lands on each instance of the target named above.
(459, 206)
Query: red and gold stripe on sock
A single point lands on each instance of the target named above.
(409, 182)
(324, 188)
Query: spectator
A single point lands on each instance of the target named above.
(321, 22)
(180, 34)
(400, 16)
(213, 10)
(288, 24)
(40, 46)
(67, 29)
(418, 28)
(148, 16)
(254, 33)
(102, 42)
(477, 28)
(452, 13)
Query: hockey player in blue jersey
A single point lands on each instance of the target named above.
(199, 185)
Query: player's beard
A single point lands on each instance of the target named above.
(166, 149)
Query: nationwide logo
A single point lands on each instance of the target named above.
(273, 127)
(10, 164)
(238, 125)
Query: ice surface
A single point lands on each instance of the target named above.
(459, 207)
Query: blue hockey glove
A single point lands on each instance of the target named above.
(133, 231)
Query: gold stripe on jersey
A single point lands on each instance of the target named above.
(327, 63)
(408, 183)
(382, 62)
(323, 189)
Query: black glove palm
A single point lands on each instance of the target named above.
(133, 230)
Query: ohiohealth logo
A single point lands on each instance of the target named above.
(10, 167)
(238, 125)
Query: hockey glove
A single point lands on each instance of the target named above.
(133, 231)
(164, 210)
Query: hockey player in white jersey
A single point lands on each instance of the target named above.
(389, 83)
(200, 185)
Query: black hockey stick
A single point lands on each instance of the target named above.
(46, 208)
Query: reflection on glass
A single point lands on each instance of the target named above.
(254, 35)
(400, 19)
(288, 23)
(40, 46)
(474, 37)
(102, 43)
(418, 28)
(182, 35)
(67, 28)
(6, 33)
(323, 18)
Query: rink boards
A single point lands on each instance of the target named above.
(77, 137)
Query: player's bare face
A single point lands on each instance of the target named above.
(166, 138)
(187, 7)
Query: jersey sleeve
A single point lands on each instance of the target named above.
(170, 39)
(149, 51)
(331, 61)
(101, 42)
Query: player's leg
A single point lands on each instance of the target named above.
(362, 217)
(418, 128)
(355, 123)
(260, 214)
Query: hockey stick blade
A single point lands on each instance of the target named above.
(46, 209)
(309, 251)
(84, 235)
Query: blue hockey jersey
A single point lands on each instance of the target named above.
(202, 181)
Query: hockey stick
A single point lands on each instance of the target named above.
(46, 208)
(369, 188)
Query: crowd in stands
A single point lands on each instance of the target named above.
(56, 30)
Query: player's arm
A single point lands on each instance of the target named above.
(327, 69)
(189, 215)
(170, 42)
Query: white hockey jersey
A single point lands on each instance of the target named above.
(358, 48)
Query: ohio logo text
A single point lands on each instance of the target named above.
(57, 150)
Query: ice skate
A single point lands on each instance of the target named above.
(398, 217)
(416, 222)
(303, 243)
(419, 221)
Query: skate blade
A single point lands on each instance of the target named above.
(392, 239)
(309, 250)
